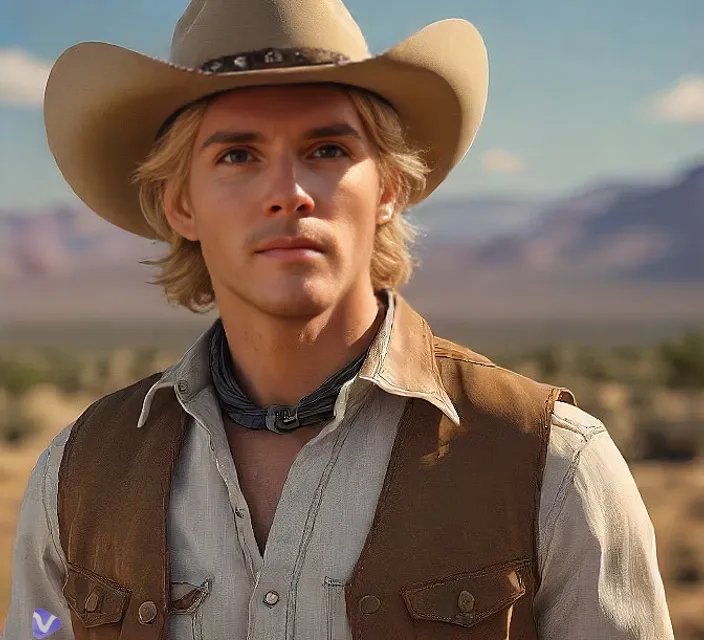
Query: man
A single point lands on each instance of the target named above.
(318, 465)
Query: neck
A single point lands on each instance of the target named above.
(282, 360)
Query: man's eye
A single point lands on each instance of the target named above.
(236, 156)
(329, 151)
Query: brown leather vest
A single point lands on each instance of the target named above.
(470, 571)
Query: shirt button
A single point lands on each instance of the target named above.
(182, 386)
(271, 598)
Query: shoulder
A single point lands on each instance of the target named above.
(50, 458)
(510, 396)
(38, 509)
(447, 349)
(572, 430)
(575, 424)
(586, 477)
(133, 392)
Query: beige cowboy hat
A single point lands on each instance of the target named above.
(104, 105)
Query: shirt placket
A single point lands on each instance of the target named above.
(206, 415)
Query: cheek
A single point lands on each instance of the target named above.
(358, 202)
(218, 210)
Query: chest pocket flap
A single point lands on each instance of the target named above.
(95, 599)
(467, 598)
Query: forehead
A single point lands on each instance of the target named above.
(272, 107)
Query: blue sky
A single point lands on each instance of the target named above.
(581, 91)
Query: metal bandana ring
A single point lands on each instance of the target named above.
(282, 418)
(272, 59)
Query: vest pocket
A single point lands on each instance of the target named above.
(185, 619)
(335, 614)
(94, 599)
(482, 600)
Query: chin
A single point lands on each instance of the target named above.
(294, 297)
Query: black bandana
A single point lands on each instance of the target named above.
(316, 407)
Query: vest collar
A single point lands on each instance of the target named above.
(401, 361)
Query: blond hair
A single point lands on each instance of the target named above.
(183, 273)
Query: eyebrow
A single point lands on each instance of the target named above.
(336, 130)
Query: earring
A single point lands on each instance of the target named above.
(388, 212)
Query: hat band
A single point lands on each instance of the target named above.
(272, 59)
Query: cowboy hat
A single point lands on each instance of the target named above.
(104, 105)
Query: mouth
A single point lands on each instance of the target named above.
(291, 248)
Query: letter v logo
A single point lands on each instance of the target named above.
(44, 623)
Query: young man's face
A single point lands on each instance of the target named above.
(283, 162)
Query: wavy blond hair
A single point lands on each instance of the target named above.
(183, 273)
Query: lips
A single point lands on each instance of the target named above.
(291, 243)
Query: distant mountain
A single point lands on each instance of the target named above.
(63, 241)
(640, 233)
(473, 220)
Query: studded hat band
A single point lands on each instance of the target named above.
(272, 59)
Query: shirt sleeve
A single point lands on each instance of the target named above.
(37, 564)
(600, 575)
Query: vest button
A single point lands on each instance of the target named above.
(465, 602)
(369, 604)
(271, 598)
(147, 612)
(92, 602)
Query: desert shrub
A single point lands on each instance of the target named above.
(552, 360)
(683, 360)
(15, 425)
(102, 370)
(696, 508)
(144, 362)
(596, 365)
(63, 371)
(672, 442)
(686, 569)
(17, 377)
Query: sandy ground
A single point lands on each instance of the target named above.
(673, 493)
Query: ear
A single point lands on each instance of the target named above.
(387, 205)
(179, 213)
(385, 213)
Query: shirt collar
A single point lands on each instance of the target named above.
(401, 361)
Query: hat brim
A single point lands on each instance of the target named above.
(104, 105)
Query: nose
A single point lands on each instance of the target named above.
(286, 193)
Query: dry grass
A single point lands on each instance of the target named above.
(673, 493)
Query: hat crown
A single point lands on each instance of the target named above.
(210, 29)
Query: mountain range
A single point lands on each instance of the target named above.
(589, 253)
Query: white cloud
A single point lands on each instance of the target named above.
(683, 103)
(22, 78)
(501, 161)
